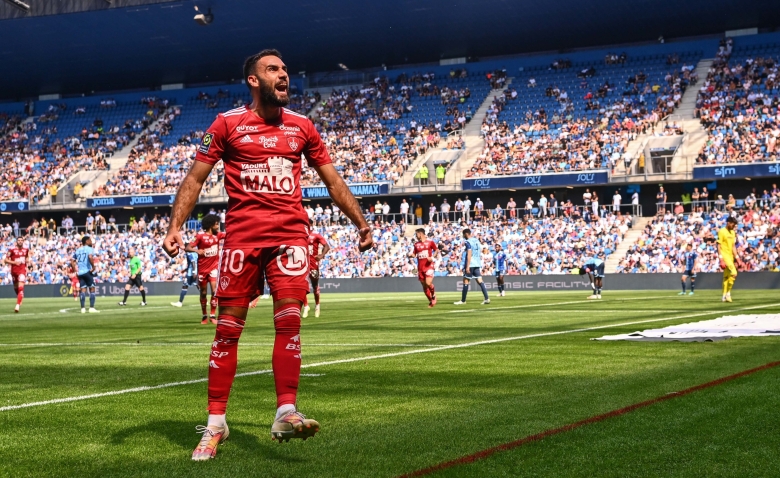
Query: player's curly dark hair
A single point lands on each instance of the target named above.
(732, 220)
(208, 221)
(249, 63)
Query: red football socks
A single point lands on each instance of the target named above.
(20, 295)
(222, 362)
(427, 292)
(286, 358)
(432, 292)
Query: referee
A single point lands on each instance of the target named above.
(135, 278)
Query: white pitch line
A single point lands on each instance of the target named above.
(195, 344)
(487, 309)
(373, 357)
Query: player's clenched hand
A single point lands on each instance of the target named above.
(723, 264)
(172, 243)
(366, 239)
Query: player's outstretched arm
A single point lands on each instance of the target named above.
(342, 196)
(186, 197)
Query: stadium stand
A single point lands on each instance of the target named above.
(355, 125)
(738, 104)
(579, 116)
(661, 245)
(41, 153)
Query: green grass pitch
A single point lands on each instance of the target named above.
(392, 398)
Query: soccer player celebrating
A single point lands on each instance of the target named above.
(18, 258)
(315, 256)
(594, 267)
(500, 262)
(206, 245)
(190, 272)
(690, 257)
(135, 278)
(727, 252)
(262, 146)
(425, 250)
(84, 263)
(472, 267)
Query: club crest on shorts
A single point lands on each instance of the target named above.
(224, 282)
(293, 144)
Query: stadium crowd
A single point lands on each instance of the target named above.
(566, 139)
(660, 247)
(738, 104)
(361, 147)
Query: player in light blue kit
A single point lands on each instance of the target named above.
(472, 266)
(594, 267)
(84, 264)
(689, 256)
(190, 270)
(500, 262)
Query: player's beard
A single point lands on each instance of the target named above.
(268, 96)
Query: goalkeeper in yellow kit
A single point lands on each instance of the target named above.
(727, 252)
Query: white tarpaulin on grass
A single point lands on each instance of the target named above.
(754, 325)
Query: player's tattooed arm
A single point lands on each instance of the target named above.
(342, 196)
(186, 197)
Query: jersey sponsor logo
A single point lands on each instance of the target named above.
(289, 128)
(293, 143)
(273, 177)
(246, 139)
(292, 260)
(244, 128)
(205, 143)
(211, 251)
(268, 142)
(422, 255)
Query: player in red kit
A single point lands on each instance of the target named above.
(315, 256)
(425, 250)
(18, 258)
(207, 245)
(75, 287)
(262, 146)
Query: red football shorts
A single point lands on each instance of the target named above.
(206, 277)
(20, 278)
(422, 274)
(242, 271)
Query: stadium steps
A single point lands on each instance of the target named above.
(471, 136)
(314, 113)
(408, 178)
(630, 239)
(688, 101)
(634, 148)
(117, 161)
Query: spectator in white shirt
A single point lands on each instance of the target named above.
(404, 209)
(445, 211)
(616, 198)
(467, 209)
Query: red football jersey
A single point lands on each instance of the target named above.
(210, 244)
(262, 174)
(16, 254)
(315, 240)
(424, 252)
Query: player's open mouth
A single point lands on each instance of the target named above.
(281, 88)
